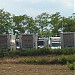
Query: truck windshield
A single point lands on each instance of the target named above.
(55, 44)
(40, 43)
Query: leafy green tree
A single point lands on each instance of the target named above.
(18, 25)
(30, 25)
(55, 22)
(24, 24)
(68, 24)
(42, 22)
(47, 33)
(5, 22)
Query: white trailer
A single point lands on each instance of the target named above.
(55, 42)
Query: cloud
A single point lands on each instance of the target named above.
(35, 1)
(52, 1)
(36, 7)
(26, 1)
(68, 4)
(64, 3)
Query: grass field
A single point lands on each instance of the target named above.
(25, 69)
(12, 66)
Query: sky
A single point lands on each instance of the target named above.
(36, 7)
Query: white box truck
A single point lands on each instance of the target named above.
(55, 42)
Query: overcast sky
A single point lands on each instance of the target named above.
(36, 7)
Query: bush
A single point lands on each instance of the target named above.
(71, 65)
(1, 53)
(33, 61)
(62, 51)
(34, 52)
(63, 59)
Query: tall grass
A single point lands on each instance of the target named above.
(61, 59)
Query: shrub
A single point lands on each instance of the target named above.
(34, 52)
(63, 51)
(63, 59)
(71, 65)
(1, 53)
(33, 61)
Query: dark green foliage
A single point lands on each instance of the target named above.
(34, 61)
(1, 54)
(71, 65)
(34, 52)
(55, 60)
(5, 21)
(61, 51)
(63, 59)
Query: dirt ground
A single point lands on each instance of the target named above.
(25, 69)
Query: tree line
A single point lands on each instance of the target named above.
(44, 25)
